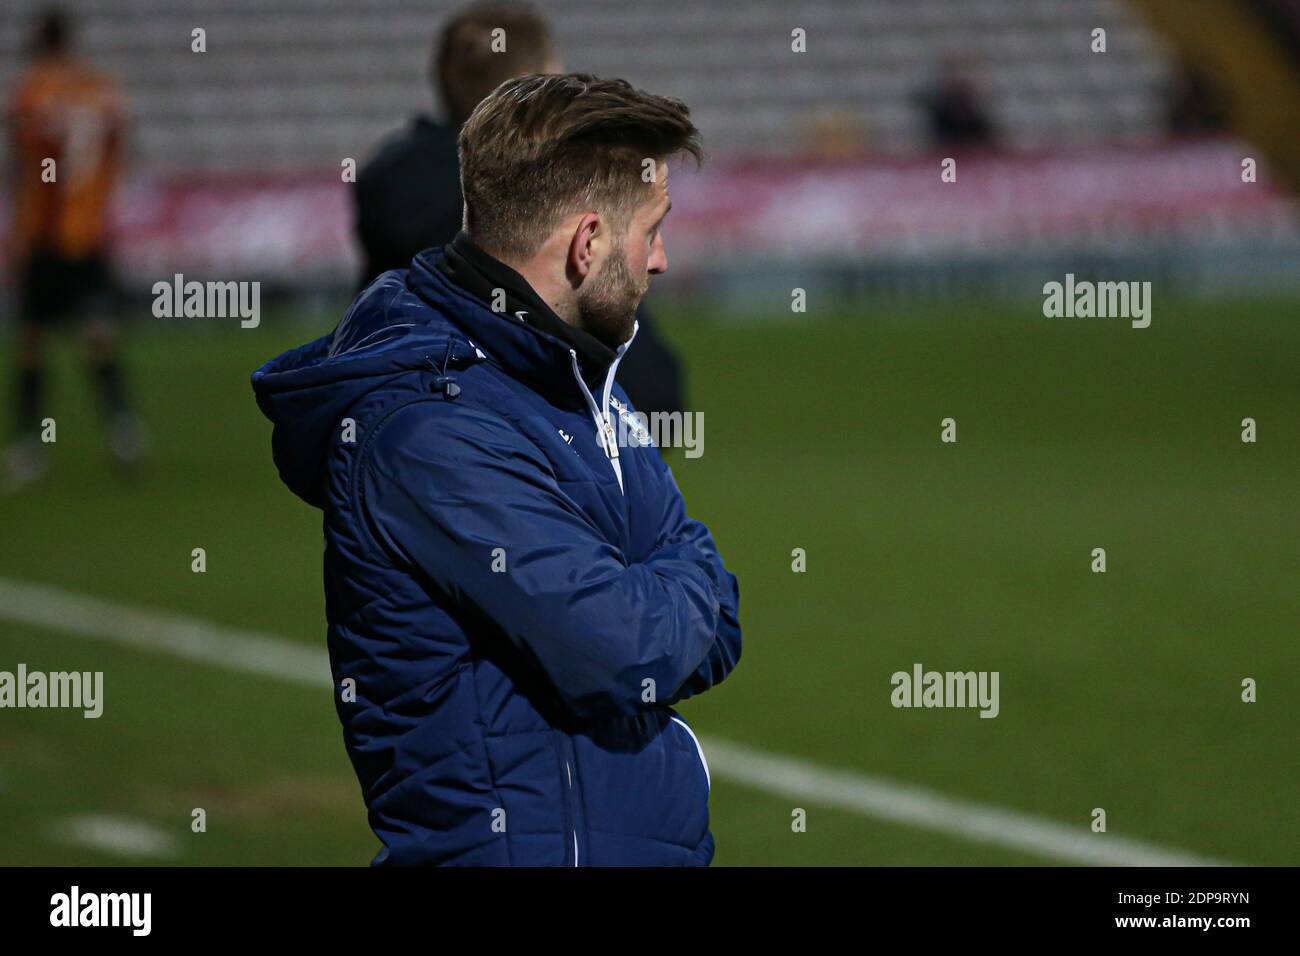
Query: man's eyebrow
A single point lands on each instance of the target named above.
(665, 213)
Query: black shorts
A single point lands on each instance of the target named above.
(55, 287)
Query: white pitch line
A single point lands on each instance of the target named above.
(162, 631)
(872, 796)
(121, 836)
(864, 794)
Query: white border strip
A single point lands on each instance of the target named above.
(698, 749)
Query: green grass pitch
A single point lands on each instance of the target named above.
(1118, 690)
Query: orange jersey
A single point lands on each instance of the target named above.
(64, 111)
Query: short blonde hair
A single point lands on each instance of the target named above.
(541, 147)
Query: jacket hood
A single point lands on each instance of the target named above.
(416, 318)
(308, 390)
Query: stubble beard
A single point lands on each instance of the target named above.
(607, 308)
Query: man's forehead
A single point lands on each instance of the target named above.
(661, 184)
(658, 200)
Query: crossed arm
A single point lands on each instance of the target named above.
(444, 485)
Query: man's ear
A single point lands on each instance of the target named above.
(582, 253)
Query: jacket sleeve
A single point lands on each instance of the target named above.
(676, 526)
(461, 496)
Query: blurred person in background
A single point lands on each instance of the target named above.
(1196, 103)
(955, 110)
(65, 125)
(408, 197)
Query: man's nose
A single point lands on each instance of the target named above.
(657, 264)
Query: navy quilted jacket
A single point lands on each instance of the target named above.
(512, 610)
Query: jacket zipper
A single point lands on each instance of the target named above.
(564, 751)
(608, 442)
(573, 813)
(600, 414)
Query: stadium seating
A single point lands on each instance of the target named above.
(300, 83)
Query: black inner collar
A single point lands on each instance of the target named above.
(480, 273)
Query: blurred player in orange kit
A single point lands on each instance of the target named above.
(66, 126)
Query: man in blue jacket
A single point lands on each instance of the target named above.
(516, 595)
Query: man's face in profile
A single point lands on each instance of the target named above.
(608, 300)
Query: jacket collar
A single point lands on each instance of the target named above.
(482, 274)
